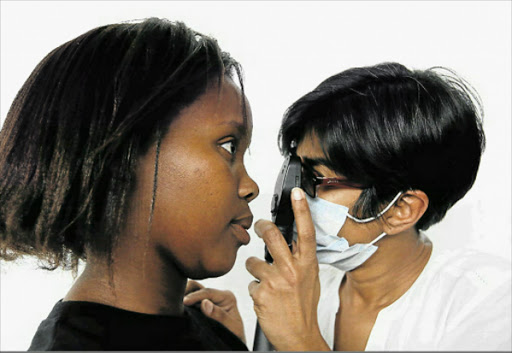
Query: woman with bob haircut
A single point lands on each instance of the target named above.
(385, 152)
(113, 152)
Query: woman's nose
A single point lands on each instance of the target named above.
(248, 188)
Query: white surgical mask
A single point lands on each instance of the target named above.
(328, 218)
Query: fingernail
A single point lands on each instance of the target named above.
(185, 299)
(297, 194)
(208, 306)
(261, 226)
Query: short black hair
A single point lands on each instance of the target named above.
(72, 138)
(393, 129)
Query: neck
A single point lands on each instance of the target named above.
(390, 272)
(137, 281)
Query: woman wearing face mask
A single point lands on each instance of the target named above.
(386, 151)
(112, 153)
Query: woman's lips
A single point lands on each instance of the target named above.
(240, 233)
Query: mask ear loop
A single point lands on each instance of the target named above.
(377, 239)
(366, 220)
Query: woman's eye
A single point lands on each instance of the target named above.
(329, 187)
(229, 146)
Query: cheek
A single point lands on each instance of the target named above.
(193, 209)
(345, 197)
(188, 203)
(350, 232)
(200, 183)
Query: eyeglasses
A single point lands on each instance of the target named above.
(310, 182)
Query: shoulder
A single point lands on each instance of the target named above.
(213, 333)
(68, 327)
(466, 278)
(473, 288)
(469, 268)
(461, 301)
(92, 326)
(476, 297)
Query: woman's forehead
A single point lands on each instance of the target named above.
(228, 103)
(218, 109)
(232, 99)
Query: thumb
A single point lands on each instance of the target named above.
(218, 314)
(210, 309)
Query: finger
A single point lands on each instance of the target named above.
(258, 296)
(253, 286)
(294, 246)
(274, 240)
(192, 286)
(220, 315)
(213, 311)
(215, 295)
(207, 307)
(257, 267)
(306, 240)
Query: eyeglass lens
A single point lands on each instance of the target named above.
(308, 183)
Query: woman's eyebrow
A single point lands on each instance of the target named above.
(240, 127)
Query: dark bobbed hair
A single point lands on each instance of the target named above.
(71, 141)
(394, 129)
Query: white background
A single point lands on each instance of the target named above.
(286, 49)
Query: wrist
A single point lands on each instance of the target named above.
(316, 345)
(304, 343)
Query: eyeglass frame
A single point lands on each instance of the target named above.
(327, 181)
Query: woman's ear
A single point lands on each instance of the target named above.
(407, 211)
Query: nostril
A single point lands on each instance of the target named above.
(256, 192)
(252, 195)
(248, 189)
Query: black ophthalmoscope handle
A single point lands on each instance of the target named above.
(261, 343)
(290, 176)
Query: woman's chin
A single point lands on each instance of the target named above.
(212, 270)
